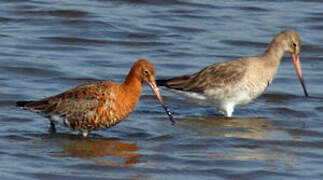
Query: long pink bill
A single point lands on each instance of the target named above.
(155, 89)
(298, 69)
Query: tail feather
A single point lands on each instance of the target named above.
(161, 82)
(178, 83)
(35, 106)
(23, 103)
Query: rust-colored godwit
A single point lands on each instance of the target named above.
(238, 82)
(97, 105)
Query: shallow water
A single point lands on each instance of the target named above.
(47, 47)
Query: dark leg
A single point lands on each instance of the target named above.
(52, 128)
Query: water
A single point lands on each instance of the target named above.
(49, 46)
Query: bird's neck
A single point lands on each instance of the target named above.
(125, 98)
(132, 87)
(273, 54)
(271, 58)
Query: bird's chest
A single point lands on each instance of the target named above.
(113, 112)
(251, 91)
(254, 85)
(240, 94)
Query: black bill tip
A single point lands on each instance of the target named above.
(304, 87)
(169, 113)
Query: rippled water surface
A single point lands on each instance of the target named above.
(49, 46)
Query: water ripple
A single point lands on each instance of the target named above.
(47, 47)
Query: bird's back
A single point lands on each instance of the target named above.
(89, 106)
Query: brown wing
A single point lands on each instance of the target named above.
(76, 103)
(214, 76)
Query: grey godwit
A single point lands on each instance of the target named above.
(238, 82)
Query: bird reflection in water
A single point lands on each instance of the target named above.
(256, 132)
(106, 151)
(243, 127)
(251, 128)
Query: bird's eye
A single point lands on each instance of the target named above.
(146, 72)
(294, 44)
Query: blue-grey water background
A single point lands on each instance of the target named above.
(49, 46)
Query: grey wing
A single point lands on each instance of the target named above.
(214, 76)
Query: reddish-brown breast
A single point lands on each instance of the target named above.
(113, 102)
(97, 105)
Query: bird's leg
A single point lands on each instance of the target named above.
(84, 132)
(228, 110)
(52, 128)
